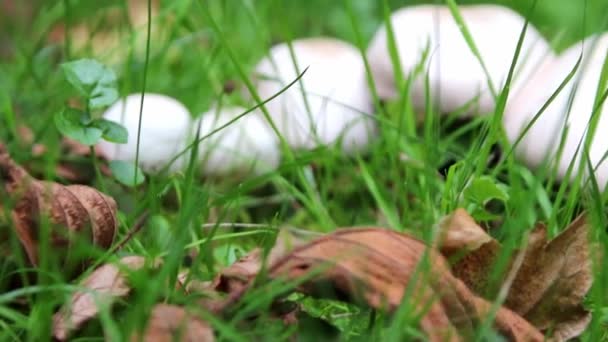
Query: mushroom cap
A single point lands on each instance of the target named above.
(572, 107)
(246, 145)
(164, 131)
(455, 74)
(583, 107)
(541, 141)
(334, 89)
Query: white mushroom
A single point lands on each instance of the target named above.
(164, 131)
(329, 104)
(541, 142)
(455, 74)
(583, 108)
(246, 145)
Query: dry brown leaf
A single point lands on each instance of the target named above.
(377, 265)
(551, 282)
(172, 323)
(237, 276)
(73, 210)
(101, 288)
(459, 232)
(469, 247)
(191, 285)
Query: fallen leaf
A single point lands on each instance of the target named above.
(459, 232)
(73, 210)
(235, 277)
(377, 265)
(191, 285)
(549, 285)
(100, 288)
(172, 323)
(471, 250)
(553, 280)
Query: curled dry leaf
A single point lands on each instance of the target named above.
(172, 323)
(377, 265)
(74, 211)
(463, 233)
(100, 288)
(549, 286)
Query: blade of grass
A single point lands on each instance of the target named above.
(313, 203)
(143, 90)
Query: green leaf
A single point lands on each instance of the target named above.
(483, 189)
(93, 80)
(125, 173)
(102, 96)
(112, 131)
(348, 318)
(72, 123)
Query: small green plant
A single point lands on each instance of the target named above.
(482, 191)
(189, 50)
(96, 84)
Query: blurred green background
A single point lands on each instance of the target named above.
(565, 21)
(561, 21)
(188, 59)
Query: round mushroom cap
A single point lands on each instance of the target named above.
(164, 131)
(329, 104)
(584, 110)
(428, 39)
(246, 146)
(573, 108)
(540, 143)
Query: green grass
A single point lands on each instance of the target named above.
(197, 46)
